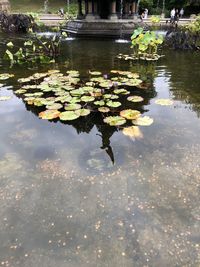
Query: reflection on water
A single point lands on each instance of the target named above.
(64, 202)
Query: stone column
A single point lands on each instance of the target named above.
(95, 10)
(80, 13)
(133, 7)
(113, 11)
(90, 16)
(127, 8)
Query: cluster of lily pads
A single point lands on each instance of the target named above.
(67, 97)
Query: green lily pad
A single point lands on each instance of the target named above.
(74, 100)
(49, 114)
(87, 89)
(121, 91)
(113, 104)
(24, 80)
(82, 112)
(5, 76)
(68, 116)
(114, 120)
(135, 98)
(20, 91)
(106, 84)
(77, 92)
(63, 99)
(130, 114)
(95, 73)
(103, 109)
(87, 98)
(71, 107)
(55, 106)
(134, 82)
(5, 98)
(99, 103)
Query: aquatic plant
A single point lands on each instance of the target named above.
(155, 19)
(36, 50)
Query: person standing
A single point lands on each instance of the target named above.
(181, 12)
(172, 15)
(146, 13)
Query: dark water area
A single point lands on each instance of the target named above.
(84, 194)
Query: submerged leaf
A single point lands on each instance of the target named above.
(4, 98)
(143, 121)
(132, 131)
(164, 102)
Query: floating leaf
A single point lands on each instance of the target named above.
(132, 131)
(5, 76)
(121, 91)
(164, 102)
(55, 106)
(49, 114)
(103, 109)
(113, 104)
(99, 103)
(143, 121)
(135, 98)
(87, 98)
(130, 114)
(20, 91)
(10, 44)
(68, 116)
(4, 98)
(114, 120)
(95, 73)
(77, 92)
(72, 107)
(82, 112)
(106, 84)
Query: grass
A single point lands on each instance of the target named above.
(23, 6)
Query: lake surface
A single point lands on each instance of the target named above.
(83, 194)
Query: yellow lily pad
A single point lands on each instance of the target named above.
(49, 114)
(130, 114)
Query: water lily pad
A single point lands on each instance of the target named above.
(143, 121)
(130, 114)
(113, 104)
(74, 100)
(164, 102)
(77, 92)
(55, 106)
(106, 84)
(88, 89)
(5, 98)
(24, 80)
(135, 98)
(114, 120)
(82, 112)
(72, 72)
(49, 114)
(20, 91)
(95, 73)
(99, 103)
(5, 76)
(133, 131)
(103, 109)
(121, 91)
(68, 116)
(134, 82)
(71, 107)
(87, 98)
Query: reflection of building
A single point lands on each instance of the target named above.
(107, 9)
(107, 18)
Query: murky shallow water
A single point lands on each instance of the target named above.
(64, 203)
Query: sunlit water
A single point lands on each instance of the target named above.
(63, 201)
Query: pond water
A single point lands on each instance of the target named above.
(84, 194)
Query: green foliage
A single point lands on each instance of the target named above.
(194, 27)
(36, 50)
(145, 44)
(155, 19)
